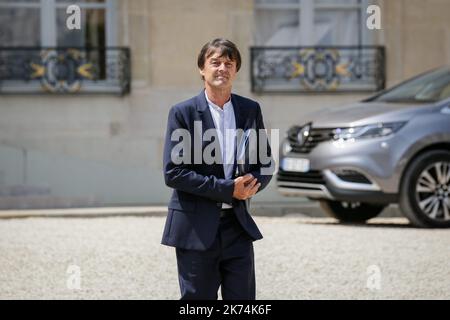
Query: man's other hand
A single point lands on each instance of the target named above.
(245, 187)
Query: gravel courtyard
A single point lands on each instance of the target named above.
(299, 258)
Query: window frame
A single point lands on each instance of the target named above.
(47, 17)
(307, 10)
(117, 80)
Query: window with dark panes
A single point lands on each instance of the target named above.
(20, 23)
(92, 33)
(314, 45)
(39, 52)
(311, 22)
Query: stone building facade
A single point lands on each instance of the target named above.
(101, 149)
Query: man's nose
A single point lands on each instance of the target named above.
(222, 67)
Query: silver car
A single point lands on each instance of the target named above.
(393, 147)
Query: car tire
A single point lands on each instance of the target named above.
(422, 202)
(353, 212)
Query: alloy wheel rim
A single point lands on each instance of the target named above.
(433, 191)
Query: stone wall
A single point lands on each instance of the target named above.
(107, 150)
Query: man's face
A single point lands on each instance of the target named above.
(219, 72)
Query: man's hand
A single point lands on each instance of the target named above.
(245, 187)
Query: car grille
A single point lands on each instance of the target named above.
(316, 136)
(313, 176)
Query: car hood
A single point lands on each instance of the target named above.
(363, 113)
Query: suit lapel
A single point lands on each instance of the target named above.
(240, 123)
(238, 112)
(208, 123)
(204, 112)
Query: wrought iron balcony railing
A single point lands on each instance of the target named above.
(64, 70)
(317, 69)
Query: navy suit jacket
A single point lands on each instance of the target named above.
(199, 188)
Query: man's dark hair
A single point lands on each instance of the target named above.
(224, 47)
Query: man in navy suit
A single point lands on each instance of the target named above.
(208, 220)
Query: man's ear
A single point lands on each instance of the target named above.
(202, 73)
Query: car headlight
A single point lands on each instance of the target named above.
(286, 147)
(368, 131)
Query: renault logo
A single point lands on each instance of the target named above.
(303, 134)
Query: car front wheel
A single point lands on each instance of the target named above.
(354, 212)
(425, 190)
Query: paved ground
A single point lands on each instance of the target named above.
(299, 258)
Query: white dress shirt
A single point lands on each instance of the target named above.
(225, 124)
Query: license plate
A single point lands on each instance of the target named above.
(295, 164)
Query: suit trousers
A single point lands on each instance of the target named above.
(228, 264)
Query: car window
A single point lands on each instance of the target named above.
(430, 87)
(445, 93)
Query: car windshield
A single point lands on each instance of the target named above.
(430, 87)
